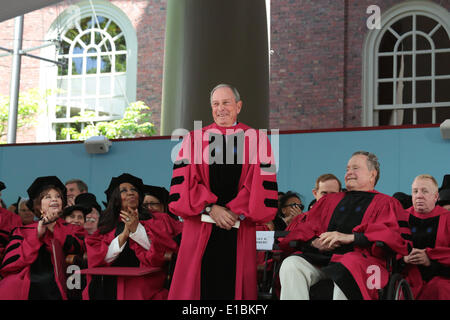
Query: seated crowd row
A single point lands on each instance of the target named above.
(136, 229)
(337, 241)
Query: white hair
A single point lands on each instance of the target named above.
(236, 94)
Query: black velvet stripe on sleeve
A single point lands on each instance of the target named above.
(174, 197)
(10, 260)
(361, 240)
(271, 203)
(4, 241)
(406, 236)
(268, 167)
(180, 164)
(270, 185)
(177, 180)
(403, 224)
(12, 247)
(16, 237)
(4, 232)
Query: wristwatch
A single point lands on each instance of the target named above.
(208, 208)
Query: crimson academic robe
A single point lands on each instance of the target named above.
(173, 228)
(431, 231)
(356, 268)
(31, 268)
(8, 221)
(255, 201)
(160, 231)
(297, 219)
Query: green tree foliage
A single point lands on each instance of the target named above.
(28, 108)
(135, 123)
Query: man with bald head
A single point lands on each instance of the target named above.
(430, 231)
(222, 186)
(338, 238)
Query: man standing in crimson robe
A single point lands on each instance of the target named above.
(430, 231)
(223, 184)
(339, 235)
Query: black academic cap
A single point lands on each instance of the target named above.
(16, 204)
(404, 199)
(68, 211)
(2, 186)
(444, 197)
(159, 192)
(42, 182)
(124, 177)
(444, 191)
(88, 200)
(445, 182)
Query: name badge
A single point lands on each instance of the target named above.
(265, 240)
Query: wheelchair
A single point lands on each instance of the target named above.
(268, 276)
(397, 287)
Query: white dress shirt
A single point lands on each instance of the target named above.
(140, 236)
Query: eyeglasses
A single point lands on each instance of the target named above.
(150, 204)
(295, 205)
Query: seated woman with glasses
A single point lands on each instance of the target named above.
(156, 199)
(128, 236)
(89, 201)
(289, 206)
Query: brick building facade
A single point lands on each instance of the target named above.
(316, 61)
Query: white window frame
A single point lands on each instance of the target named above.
(370, 60)
(49, 72)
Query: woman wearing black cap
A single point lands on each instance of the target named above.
(89, 201)
(128, 236)
(75, 214)
(156, 200)
(33, 264)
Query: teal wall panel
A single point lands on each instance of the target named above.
(403, 154)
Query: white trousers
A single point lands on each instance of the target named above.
(297, 276)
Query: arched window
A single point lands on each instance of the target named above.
(407, 66)
(98, 46)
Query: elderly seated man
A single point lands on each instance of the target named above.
(430, 231)
(338, 238)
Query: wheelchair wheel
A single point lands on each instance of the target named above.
(398, 289)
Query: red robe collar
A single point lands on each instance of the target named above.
(437, 211)
(224, 130)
